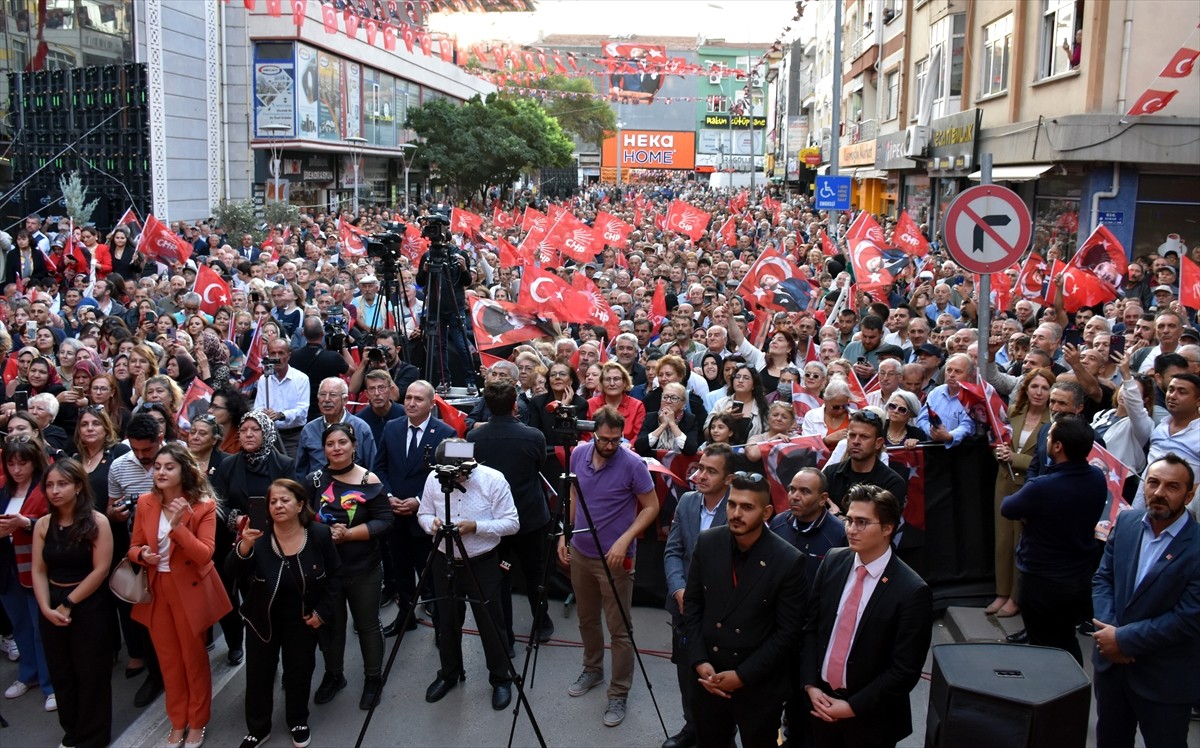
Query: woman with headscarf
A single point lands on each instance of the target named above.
(212, 359)
(242, 483)
(71, 400)
(182, 369)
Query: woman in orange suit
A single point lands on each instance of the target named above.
(173, 537)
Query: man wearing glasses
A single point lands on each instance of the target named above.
(402, 372)
(864, 445)
(620, 498)
(332, 396)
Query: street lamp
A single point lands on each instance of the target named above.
(356, 144)
(276, 132)
(407, 163)
(620, 124)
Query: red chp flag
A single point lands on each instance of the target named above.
(535, 247)
(214, 292)
(769, 270)
(414, 245)
(1031, 282)
(609, 230)
(499, 323)
(1189, 283)
(908, 236)
(573, 237)
(687, 219)
(600, 313)
(465, 222)
(534, 219)
(1102, 259)
(160, 243)
(658, 305)
(728, 231)
(827, 246)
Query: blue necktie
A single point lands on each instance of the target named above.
(415, 442)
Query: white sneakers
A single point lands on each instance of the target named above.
(16, 690)
(9, 647)
(51, 703)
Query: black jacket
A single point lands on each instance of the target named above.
(12, 266)
(518, 451)
(841, 477)
(262, 571)
(754, 627)
(235, 481)
(687, 424)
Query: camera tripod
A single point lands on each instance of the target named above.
(448, 540)
(568, 480)
(443, 267)
(392, 301)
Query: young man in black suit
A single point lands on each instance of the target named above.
(743, 615)
(867, 633)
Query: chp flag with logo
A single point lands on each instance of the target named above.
(600, 313)
(158, 242)
(213, 290)
(572, 237)
(609, 230)
(684, 218)
(908, 237)
(465, 222)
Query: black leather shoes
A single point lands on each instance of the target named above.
(148, 691)
(372, 689)
(1021, 637)
(330, 685)
(236, 656)
(393, 628)
(545, 631)
(685, 738)
(442, 686)
(501, 696)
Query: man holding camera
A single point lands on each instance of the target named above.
(446, 300)
(284, 394)
(318, 362)
(385, 356)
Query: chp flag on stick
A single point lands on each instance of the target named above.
(608, 230)
(684, 218)
(158, 242)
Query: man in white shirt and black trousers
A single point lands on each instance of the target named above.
(284, 396)
(483, 510)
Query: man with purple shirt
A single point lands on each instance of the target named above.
(619, 496)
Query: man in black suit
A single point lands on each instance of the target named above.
(859, 685)
(743, 616)
(519, 452)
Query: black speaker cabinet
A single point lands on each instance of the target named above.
(1006, 696)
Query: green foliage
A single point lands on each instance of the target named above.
(585, 118)
(237, 218)
(487, 141)
(276, 212)
(75, 199)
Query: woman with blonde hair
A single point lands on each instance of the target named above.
(173, 538)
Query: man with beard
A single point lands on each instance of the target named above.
(864, 446)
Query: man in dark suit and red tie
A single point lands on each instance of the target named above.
(1146, 597)
(868, 631)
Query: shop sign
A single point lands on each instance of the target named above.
(857, 154)
(811, 155)
(739, 120)
(889, 152)
(955, 135)
(317, 169)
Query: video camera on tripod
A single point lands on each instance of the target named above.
(567, 422)
(457, 461)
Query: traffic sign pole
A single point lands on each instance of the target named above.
(983, 305)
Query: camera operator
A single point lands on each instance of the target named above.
(484, 512)
(519, 452)
(451, 308)
(289, 392)
(326, 354)
(385, 356)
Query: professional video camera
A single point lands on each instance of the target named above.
(269, 364)
(457, 462)
(335, 333)
(567, 422)
(385, 247)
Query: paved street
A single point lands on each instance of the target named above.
(464, 718)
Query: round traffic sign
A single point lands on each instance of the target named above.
(987, 228)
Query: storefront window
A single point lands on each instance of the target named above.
(916, 198)
(1056, 215)
(1167, 204)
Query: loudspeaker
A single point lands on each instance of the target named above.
(1005, 696)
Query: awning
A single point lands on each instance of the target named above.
(865, 172)
(1013, 173)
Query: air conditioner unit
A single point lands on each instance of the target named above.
(756, 81)
(715, 79)
(916, 140)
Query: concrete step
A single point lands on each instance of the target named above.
(971, 625)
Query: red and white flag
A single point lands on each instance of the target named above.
(465, 222)
(196, 402)
(545, 294)
(1189, 283)
(684, 218)
(802, 402)
(609, 230)
(658, 305)
(502, 220)
(728, 231)
(1152, 101)
(129, 218)
(158, 242)
(214, 292)
(908, 237)
(827, 246)
(353, 239)
(600, 313)
(1182, 64)
(253, 369)
(573, 237)
(768, 271)
(534, 219)
(499, 323)
(858, 395)
(299, 9)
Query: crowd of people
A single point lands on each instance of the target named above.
(298, 496)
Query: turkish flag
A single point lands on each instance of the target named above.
(1182, 64)
(728, 231)
(299, 9)
(543, 293)
(480, 54)
(1102, 257)
(1001, 292)
(329, 18)
(372, 31)
(610, 230)
(766, 274)
(558, 63)
(160, 243)
(275, 8)
(911, 463)
(195, 402)
(1189, 283)
(353, 240)
(254, 356)
(509, 256)
(214, 292)
(499, 323)
(452, 416)
(465, 222)
(426, 43)
(799, 451)
(352, 21)
(389, 37)
(684, 218)
(534, 218)
(875, 265)
(600, 312)
(1031, 283)
(446, 49)
(658, 305)
(1115, 474)
(827, 246)
(1152, 101)
(573, 237)
(502, 219)
(802, 402)
(858, 395)
(908, 236)
(409, 37)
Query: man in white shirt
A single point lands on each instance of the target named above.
(284, 395)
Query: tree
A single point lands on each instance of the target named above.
(487, 141)
(585, 117)
(75, 199)
(237, 218)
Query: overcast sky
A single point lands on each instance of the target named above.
(732, 20)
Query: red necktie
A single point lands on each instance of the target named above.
(844, 633)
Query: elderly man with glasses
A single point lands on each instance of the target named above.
(332, 396)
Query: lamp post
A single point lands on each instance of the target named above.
(356, 144)
(407, 163)
(620, 125)
(276, 132)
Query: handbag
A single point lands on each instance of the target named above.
(128, 583)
